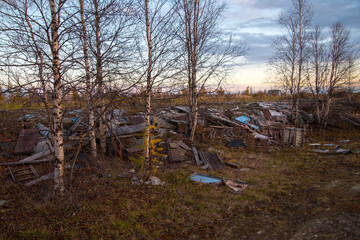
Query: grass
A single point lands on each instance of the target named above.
(289, 187)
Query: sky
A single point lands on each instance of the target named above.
(255, 22)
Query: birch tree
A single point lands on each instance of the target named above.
(33, 39)
(208, 51)
(297, 24)
(161, 54)
(113, 46)
(88, 83)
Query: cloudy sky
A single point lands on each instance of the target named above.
(255, 22)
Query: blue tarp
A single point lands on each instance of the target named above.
(243, 119)
(246, 120)
(204, 179)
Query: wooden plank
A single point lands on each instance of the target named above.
(212, 159)
(11, 174)
(28, 162)
(34, 171)
(42, 178)
(197, 160)
(35, 156)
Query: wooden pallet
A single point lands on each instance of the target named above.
(22, 173)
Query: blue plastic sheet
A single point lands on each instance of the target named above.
(243, 119)
(246, 120)
(204, 179)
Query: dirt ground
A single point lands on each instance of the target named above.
(295, 193)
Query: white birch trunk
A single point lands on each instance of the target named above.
(59, 185)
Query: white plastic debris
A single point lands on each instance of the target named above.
(154, 181)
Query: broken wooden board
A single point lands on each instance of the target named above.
(22, 173)
(125, 130)
(26, 141)
(36, 156)
(197, 160)
(177, 150)
(42, 178)
(28, 162)
(236, 185)
(136, 119)
(211, 158)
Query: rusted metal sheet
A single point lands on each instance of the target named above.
(27, 140)
(211, 158)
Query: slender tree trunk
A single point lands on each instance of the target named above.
(193, 69)
(189, 67)
(99, 80)
(326, 111)
(148, 88)
(91, 129)
(300, 65)
(59, 186)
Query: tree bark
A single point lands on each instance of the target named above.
(91, 129)
(99, 80)
(148, 88)
(59, 185)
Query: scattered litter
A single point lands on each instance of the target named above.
(22, 173)
(235, 143)
(43, 130)
(154, 181)
(5, 154)
(43, 178)
(315, 144)
(244, 169)
(233, 165)
(205, 167)
(294, 136)
(4, 202)
(236, 185)
(203, 178)
(342, 151)
(321, 150)
(260, 136)
(196, 156)
(246, 120)
(26, 141)
(328, 144)
(211, 158)
(345, 141)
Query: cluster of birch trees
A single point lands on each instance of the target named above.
(314, 59)
(109, 47)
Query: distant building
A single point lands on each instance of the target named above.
(274, 92)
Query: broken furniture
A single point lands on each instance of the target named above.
(22, 173)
